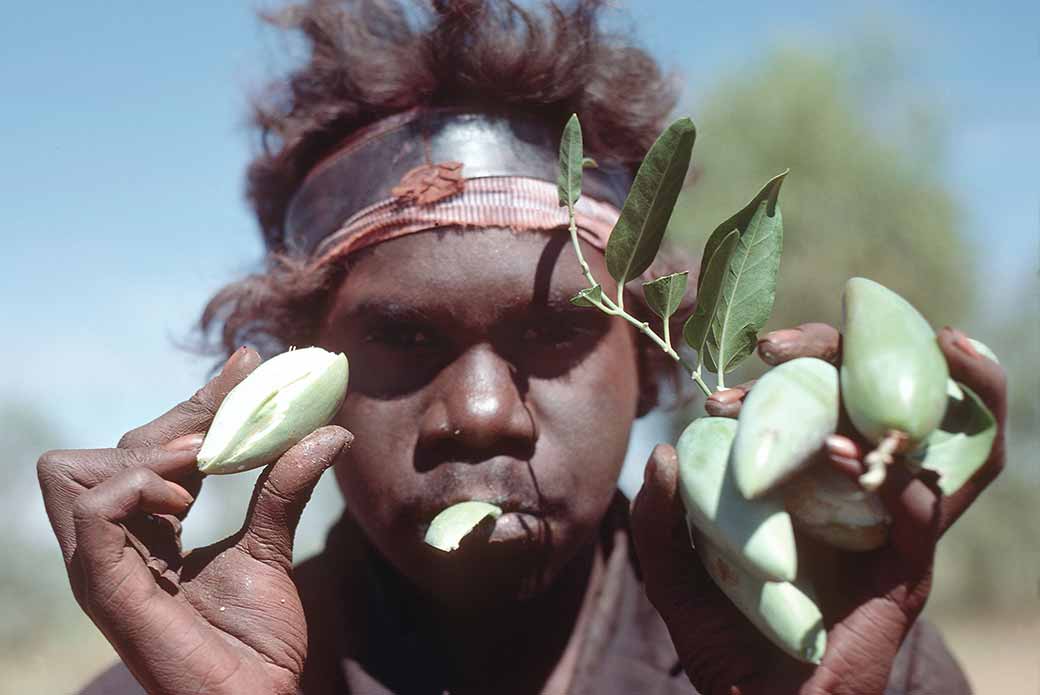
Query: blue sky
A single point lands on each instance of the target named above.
(122, 130)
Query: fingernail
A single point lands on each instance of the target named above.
(728, 396)
(960, 340)
(236, 356)
(188, 442)
(771, 347)
(716, 409)
(346, 438)
(783, 335)
(184, 496)
(842, 446)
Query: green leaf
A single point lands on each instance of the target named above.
(637, 235)
(568, 184)
(748, 289)
(589, 163)
(664, 294)
(961, 443)
(709, 294)
(770, 192)
(590, 296)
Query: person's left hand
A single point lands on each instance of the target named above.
(870, 600)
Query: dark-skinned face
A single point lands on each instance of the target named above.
(473, 377)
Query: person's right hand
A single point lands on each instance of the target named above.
(222, 619)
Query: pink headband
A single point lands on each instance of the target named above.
(434, 168)
(513, 202)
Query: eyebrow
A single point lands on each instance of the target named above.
(396, 311)
(556, 306)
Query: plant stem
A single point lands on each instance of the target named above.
(577, 249)
(699, 381)
(644, 327)
(878, 460)
(607, 306)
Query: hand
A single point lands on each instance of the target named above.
(869, 600)
(221, 619)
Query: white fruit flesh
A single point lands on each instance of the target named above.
(454, 523)
(278, 404)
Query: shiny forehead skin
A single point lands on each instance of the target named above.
(367, 167)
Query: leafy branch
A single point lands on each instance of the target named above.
(736, 285)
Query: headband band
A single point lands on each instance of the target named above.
(424, 159)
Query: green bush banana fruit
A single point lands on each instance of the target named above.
(831, 507)
(784, 421)
(893, 374)
(962, 442)
(785, 612)
(451, 525)
(278, 404)
(758, 533)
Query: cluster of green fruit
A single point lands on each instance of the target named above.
(749, 484)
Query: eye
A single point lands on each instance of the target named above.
(401, 335)
(556, 335)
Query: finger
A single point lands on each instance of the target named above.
(844, 455)
(196, 413)
(986, 378)
(981, 374)
(914, 504)
(715, 644)
(818, 340)
(100, 539)
(727, 402)
(283, 490)
(65, 476)
(978, 372)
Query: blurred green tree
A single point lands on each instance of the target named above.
(865, 194)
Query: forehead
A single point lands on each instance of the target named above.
(476, 269)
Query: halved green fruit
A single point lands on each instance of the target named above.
(453, 524)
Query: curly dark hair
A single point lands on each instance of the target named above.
(372, 58)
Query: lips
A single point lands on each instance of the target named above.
(509, 504)
(518, 526)
(503, 481)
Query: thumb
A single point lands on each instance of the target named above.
(666, 557)
(283, 490)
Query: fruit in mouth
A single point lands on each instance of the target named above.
(453, 524)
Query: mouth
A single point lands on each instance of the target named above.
(518, 526)
(520, 521)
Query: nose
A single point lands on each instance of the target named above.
(479, 407)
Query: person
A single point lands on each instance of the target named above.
(406, 193)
